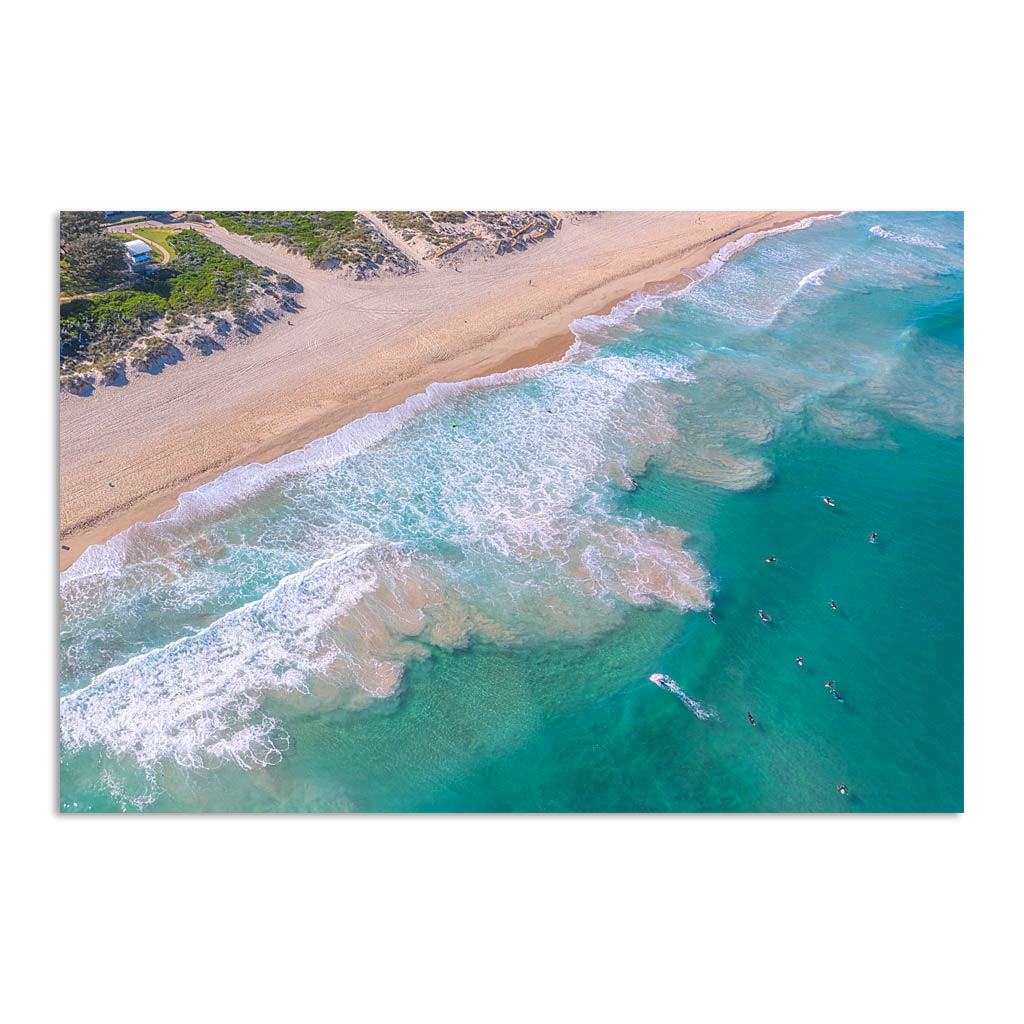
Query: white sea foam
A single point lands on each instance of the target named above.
(243, 482)
(642, 302)
(894, 236)
(814, 277)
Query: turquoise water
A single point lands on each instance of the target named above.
(457, 605)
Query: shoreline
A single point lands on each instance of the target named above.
(177, 451)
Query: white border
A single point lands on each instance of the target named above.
(629, 918)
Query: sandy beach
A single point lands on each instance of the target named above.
(353, 348)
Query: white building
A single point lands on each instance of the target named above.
(139, 254)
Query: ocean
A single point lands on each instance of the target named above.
(458, 605)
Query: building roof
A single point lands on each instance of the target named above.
(137, 248)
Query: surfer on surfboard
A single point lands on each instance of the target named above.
(828, 501)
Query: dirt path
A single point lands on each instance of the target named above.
(155, 245)
(397, 240)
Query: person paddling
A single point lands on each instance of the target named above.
(772, 559)
(800, 662)
(764, 618)
(750, 718)
(829, 502)
(874, 537)
(712, 618)
(842, 788)
(834, 608)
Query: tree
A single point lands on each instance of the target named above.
(75, 224)
(91, 259)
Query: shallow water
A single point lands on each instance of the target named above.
(457, 605)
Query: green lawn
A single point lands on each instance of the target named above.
(161, 236)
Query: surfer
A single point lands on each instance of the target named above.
(764, 618)
(633, 485)
(750, 719)
(835, 695)
(842, 788)
(829, 502)
(800, 662)
(772, 559)
(834, 608)
(831, 683)
(874, 537)
(712, 618)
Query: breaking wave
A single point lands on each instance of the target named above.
(894, 236)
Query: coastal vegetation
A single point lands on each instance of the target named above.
(410, 223)
(202, 280)
(90, 259)
(442, 230)
(325, 238)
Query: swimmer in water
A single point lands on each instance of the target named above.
(834, 608)
(874, 537)
(750, 718)
(772, 559)
(829, 502)
(712, 618)
(842, 788)
(800, 661)
(764, 618)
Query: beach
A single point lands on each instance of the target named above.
(357, 347)
(603, 583)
